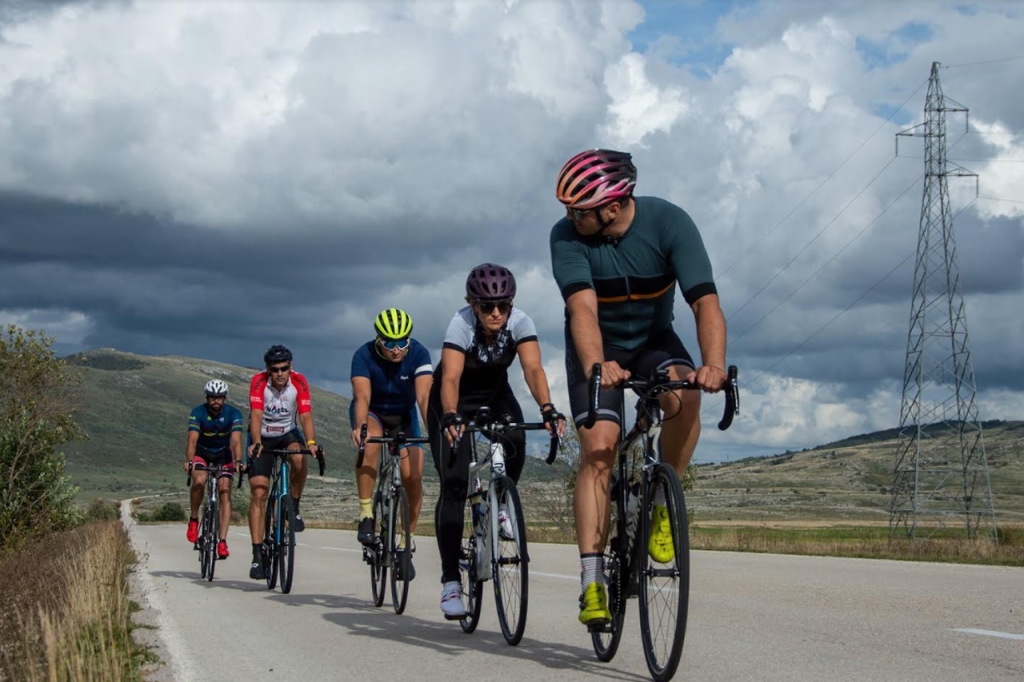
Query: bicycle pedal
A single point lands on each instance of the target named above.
(603, 628)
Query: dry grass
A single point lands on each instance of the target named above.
(66, 613)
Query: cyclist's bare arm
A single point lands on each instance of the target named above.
(255, 426)
(533, 372)
(711, 335)
(422, 386)
(236, 447)
(586, 335)
(190, 447)
(306, 421)
(361, 392)
(454, 362)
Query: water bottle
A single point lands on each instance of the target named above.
(497, 459)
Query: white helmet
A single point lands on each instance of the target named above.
(216, 387)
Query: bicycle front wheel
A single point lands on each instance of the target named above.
(212, 536)
(204, 556)
(399, 544)
(286, 543)
(509, 559)
(269, 549)
(665, 572)
(378, 571)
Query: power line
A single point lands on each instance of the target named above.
(987, 61)
(813, 239)
(1009, 201)
(823, 182)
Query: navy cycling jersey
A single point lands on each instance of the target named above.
(392, 384)
(215, 430)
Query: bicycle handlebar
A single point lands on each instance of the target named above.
(216, 469)
(661, 383)
(485, 422)
(257, 450)
(398, 439)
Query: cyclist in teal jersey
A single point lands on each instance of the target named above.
(617, 260)
(214, 438)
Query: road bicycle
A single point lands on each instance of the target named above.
(392, 538)
(629, 570)
(278, 549)
(496, 547)
(209, 524)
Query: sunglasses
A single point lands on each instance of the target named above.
(280, 369)
(487, 307)
(576, 215)
(394, 345)
(216, 397)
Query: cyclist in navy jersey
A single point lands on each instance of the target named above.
(214, 438)
(617, 260)
(482, 341)
(391, 377)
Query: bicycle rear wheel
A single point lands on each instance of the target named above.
(664, 581)
(398, 534)
(286, 543)
(378, 571)
(204, 557)
(472, 589)
(616, 579)
(269, 550)
(509, 559)
(212, 536)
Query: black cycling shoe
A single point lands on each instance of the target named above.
(300, 525)
(256, 571)
(411, 572)
(365, 534)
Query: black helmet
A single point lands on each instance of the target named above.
(277, 354)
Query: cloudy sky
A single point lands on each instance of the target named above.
(206, 179)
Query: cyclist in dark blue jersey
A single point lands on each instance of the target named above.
(214, 438)
(391, 378)
(617, 260)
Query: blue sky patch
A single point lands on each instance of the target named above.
(684, 32)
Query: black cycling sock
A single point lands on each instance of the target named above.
(256, 550)
(295, 501)
(194, 518)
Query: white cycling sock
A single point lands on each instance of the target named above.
(659, 496)
(592, 569)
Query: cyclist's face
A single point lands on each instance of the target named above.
(587, 222)
(215, 402)
(492, 314)
(396, 354)
(279, 373)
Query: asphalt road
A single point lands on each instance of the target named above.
(752, 617)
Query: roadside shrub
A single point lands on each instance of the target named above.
(168, 511)
(102, 510)
(36, 416)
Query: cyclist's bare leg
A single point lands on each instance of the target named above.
(681, 428)
(299, 470)
(592, 503)
(224, 493)
(366, 475)
(258, 486)
(412, 481)
(195, 493)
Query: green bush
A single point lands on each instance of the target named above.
(168, 511)
(36, 416)
(102, 510)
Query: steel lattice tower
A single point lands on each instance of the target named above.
(941, 472)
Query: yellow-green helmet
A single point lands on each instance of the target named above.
(393, 324)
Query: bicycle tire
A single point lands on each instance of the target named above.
(212, 536)
(399, 530)
(616, 580)
(664, 587)
(286, 548)
(510, 560)
(378, 571)
(269, 543)
(204, 558)
(472, 588)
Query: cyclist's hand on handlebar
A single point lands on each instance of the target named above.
(553, 420)
(254, 450)
(187, 465)
(709, 378)
(451, 422)
(612, 374)
(356, 433)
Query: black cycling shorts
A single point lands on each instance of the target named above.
(663, 350)
(264, 464)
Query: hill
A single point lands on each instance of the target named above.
(135, 409)
(849, 479)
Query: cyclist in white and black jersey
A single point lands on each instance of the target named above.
(482, 341)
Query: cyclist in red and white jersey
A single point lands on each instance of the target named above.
(279, 406)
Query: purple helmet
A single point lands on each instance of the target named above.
(490, 282)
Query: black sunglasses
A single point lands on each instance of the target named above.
(279, 369)
(502, 307)
(576, 215)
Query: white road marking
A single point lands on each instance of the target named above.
(991, 633)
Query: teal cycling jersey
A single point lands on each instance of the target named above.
(215, 429)
(635, 275)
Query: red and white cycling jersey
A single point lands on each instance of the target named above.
(280, 408)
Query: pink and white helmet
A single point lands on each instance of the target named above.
(594, 178)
